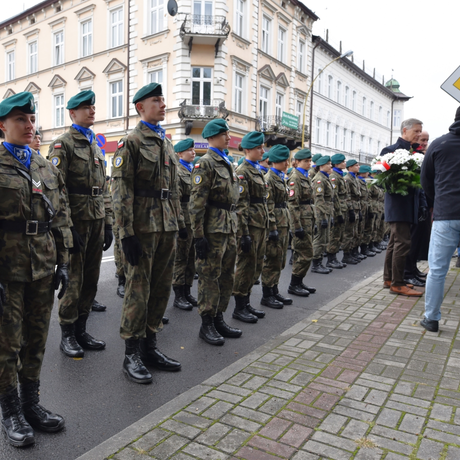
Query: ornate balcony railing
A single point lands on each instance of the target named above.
(197, 24)
(272, 125)
(204, 109)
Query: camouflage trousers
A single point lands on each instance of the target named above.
(84, 268)
(336, 237)
(321, 240)
(303, 252)
(24, 330)
(275, 258)
(117, 253)
(148, 285)
(249, 265)
(350, 234)
(184, 264)
(216, 274)
(368, 230)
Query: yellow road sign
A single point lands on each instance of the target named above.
(452, 85)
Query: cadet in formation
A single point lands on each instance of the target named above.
(214, 224)
(147, 210)
(82, 165)
(35, 238)
(367, 210)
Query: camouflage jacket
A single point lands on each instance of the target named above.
(27, 258)
(374, 197)
(365, 201)
(82, 166)
(185, 190)
(324, 195)
(252, 207)
(278, 213)
(145, 187)
(300, 190)
(213, 182)
(340, 193)
(354, 191)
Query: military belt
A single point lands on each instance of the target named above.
(280, 205)
(257, 199)
(185, 198)
(29, 227)
(91, 191)
(306, 202)
(163, 194)
(226, 206)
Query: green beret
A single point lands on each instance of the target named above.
(150, 90)
(226, 151)
(196, 159)
(240, 161)
(279, 153)
(323, 160)
(215, 127)
(303, 154)
(364, 169)
(337, 158)
(184, 145)
(316, 157)
(252, 140)
(289, 170)
(23, 101)
(265, 156)
(37, 133)
(350, 163)
(231, 158)
(83, 97)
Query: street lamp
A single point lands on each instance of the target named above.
(344, 55)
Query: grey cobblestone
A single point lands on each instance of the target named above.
(453, 453)
(168, 447)
(255, 383)
(396, 435)
(441, 412)
(218, 410)
(203, 452)
(200, 405)
(191, 419)
(233, 441)
(333, 423)
(213, 434)
(273, 405)
(255, 400)
(181, 428)
(412, 423)
(389, 417)
(430, 450)
(150, 439)
(355, 430)
(241, 423)
(250, 414)
(325, 450)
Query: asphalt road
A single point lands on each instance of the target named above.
(96, 398)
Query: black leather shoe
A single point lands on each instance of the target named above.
(224, 329)
(17, 429)
(179, 300)
(121, 286)
(85, 340)
(269, 300)
(150, 354)
(414, 281)
(241, 312)
(195, 276)
(254, 311)
(208, 331)
(189, 296)
(165, 320)
(96, 306)
(133, 366)
(420, 274)
(281, 298)
(430, 325)
(311, 290)
(297, 288)
(349, 259)
(39, 417)
(69, 345)
(366, 251)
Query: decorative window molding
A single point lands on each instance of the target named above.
(84, 75)
(155, 61)
(241, 66)
(267, 73)
(31, 33)
(281, 80)
(269, 6)
(32, 88)
(283, 18)
(57, 82)
(114, 66)
(9, 92)
(57, 22)
(10, 43)
(85, 10)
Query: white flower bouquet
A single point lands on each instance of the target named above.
(399, 171)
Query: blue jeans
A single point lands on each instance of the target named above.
(445, 235)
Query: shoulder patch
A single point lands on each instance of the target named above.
(291, 183)
(291, 192)
(318, 182)
(56, 161)
(121, 144)
(197, 179)
(332, 178)
(319, 189)
(118, 162)
(197, 165)
(58, 145)
(241, 189)
(241, 177)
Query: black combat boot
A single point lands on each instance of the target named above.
(279, 297)
(241, 312)
(311, 290)
(189, 296)
(121, 286)
(208, 331)
(17, 429)
(318, 267)
(374, 248)
(39, 417)
(69, 345)
(252, 310)
(86, 341)
(133, 366)
(349, 259)
(150, 354)
(357, 255)
(332, 261)
(97, 306)
(297, 288)
(224, 329)
(269, 300)
(366, 251)
(180, 301)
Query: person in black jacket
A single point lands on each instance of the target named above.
(439, 179)
(401, 211)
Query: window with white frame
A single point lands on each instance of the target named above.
(238, 92)
(371, 110)
(352, 141)
(362, 143)
(329, 86)
(264, 99)
(201, 85)
(299, 111)
(337, 139)
(37, 112)
(347, 96)
(339, 91)
(344, 143)
(32, 50)
(397, 118)
(370, 145)
(380, 114)
(156, 76)
(266, 34)
(10, 66)
(279, 104)
(353, 101)
(58, 110)
(328, 133)
(116, 27)
(388, 118)
(238, 26)
(378, 147)
(156, 16)
(282, 35)
(320, 81)
(116, 99)
(86, 38)
(318, 130)
(58, 47)
(363, 111)
(301, 56)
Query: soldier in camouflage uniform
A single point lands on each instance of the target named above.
(119, 263)
(214, 224)
(378, 199)
(366, 224)
(302, 223)
(312, 171)
(80, 160)
(369, 230)
(147, 210)
(34, 236)
(252, 215)
(184, 265)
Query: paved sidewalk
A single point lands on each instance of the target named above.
(359, 379)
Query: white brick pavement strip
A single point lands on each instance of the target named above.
(358, 379)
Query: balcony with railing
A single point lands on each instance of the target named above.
(201, 110)
(277, 131)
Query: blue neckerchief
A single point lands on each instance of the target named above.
(352, 173)
(362, 178)
(85, 131)
(38, 152)
(157, 128)
(221, 154)
(303, 171)
(186, 164)
(325, 173)
(263, 168)
(22, 153)
(338, 171)
(370, 176)
(254, 164)
(280, 174)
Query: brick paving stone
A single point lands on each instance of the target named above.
(369, 454)
(357, 392)
(248, 453)
(355, 430)
(331, 382)
(305, 456)
(449, 428)
(168, 447)
(273, 405)
(348, 376)
(203, 452)
(353, 413)
(376, 397)
(301, 379)
(334, 440)
(268, 358)
(192, 419)
(233, 441)
(250, 414)
(213, 434)
(396, 435)
(276, 392)
(365, 407)
(218, 410)
(405, 388)
(327, 389)
(325, 450)
(331, 372)
(200, 405)
(406, 408)
(239, 379)
(223, 396)
(307, 410)
(333, 423)
(234, 389)
(391, 445)
(430, 450)
(296, 435)
(306, 420)
(130, 454)
(255, 400)
(285, 375)
(326, 401)
(272, 447)
(241, 423)
(181, 456)
(187, 431)
(150, 439)
(409, 400)
(285, 386)
(260, 372)
(412, 423)
(275, 428)
(255, 383)
(307, 396)
(453, 453)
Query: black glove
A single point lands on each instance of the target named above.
(360, 216)
(351, 215)
(61, 276)
(132, 249)
(315, 229)
(246, 243)
(201, 248)
(2, 298)
(324, 223)
(300, 233)
(108, 237)
(273, 235)
(183, 234)
(78, 243)
(422, 214)
(340, 219)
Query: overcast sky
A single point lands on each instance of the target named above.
(415, 41)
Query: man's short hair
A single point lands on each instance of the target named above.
(409, 123)
(457, 115)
